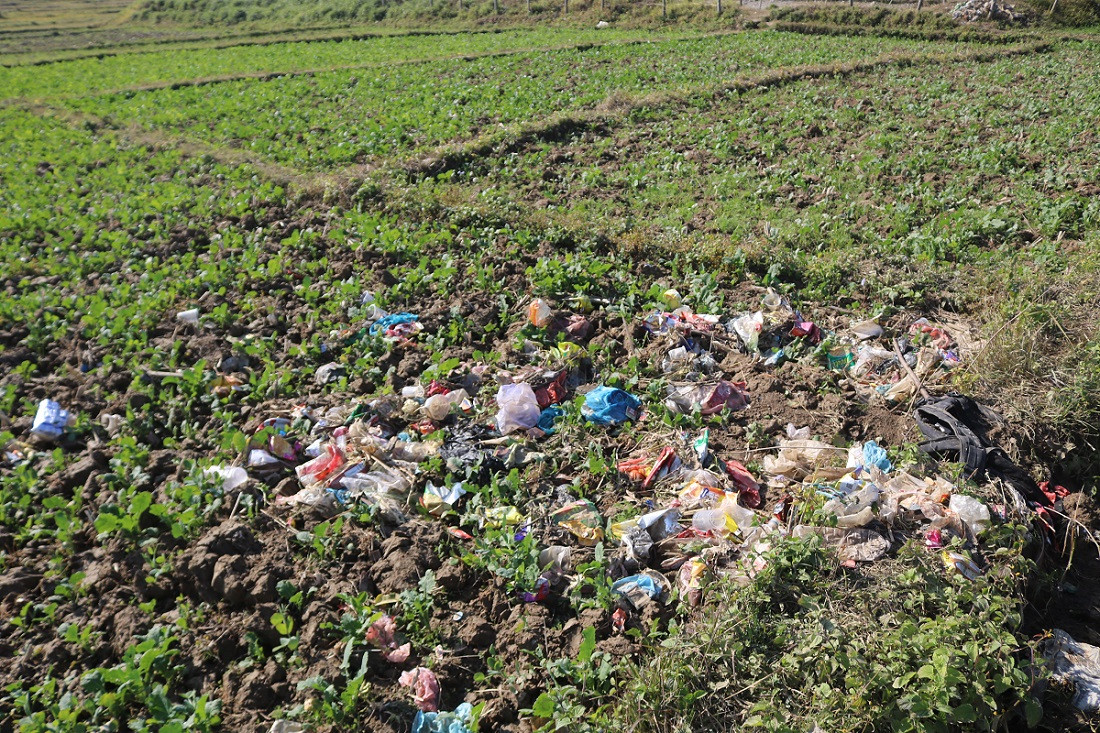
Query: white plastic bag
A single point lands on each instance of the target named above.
(519, 408)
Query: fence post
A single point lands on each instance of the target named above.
(664, 8)
(496, 7)
(719, 7)
(566, 8)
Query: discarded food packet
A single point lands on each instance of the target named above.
(639, 590)
(961, 564)
(50, 420)
(582, 519)
(542, 590)
(701, 446)
(438, 500)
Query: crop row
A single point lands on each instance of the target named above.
(937, 167)
(111, 73)
(344, 117)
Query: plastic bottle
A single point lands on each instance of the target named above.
(713, 520)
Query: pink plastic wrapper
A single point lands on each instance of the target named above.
(425, 688)
(733, 395)
(381, 634)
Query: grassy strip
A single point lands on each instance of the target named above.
(619, 106)
(265, 38)
(915, 34)
(269, 75)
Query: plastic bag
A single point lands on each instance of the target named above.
(519, 409)
(425, 688)
(320, 468)
(231, 476)
(973, 512)
(438, 500)
(439, 406)
(456, 722)
(582, 519)
(50, 420)
(748, 328)
(610, 406)
(639, 590)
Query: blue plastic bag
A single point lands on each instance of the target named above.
(547, 418)
(386, 322)
(610, 406)
(875, 455)
(445, 722)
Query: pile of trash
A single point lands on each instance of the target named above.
(973, 11)
(706, 515)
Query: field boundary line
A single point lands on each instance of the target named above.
(961, 35)
(618, 106)
(215, 42)
(314, 71)
(201, 44)
(161, 140)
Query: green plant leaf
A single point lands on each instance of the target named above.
(588, 645)
(543, 707)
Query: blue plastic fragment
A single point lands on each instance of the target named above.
(875, 455)
(547, 418)
(445, 722)
(610, 406)
(643, 582)
(386, 322)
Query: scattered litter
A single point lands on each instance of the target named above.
(693, 509)
(582, 519)
(287, 726)
(961, 564)
(190, 317)
(231, 476)
(855, 545)
(973, 513)
(439, 500)
(425, 689)
(50, 421)
(519, 408)
(329, 373)
(539, 313)
(382, 635)
(434, 722)
(610, 406)
(639, 590)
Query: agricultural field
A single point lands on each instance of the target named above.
(324, 120)
(331, 322)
